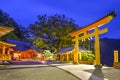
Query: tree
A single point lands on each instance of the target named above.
(6, 20)
(88, 56)
(51, 32)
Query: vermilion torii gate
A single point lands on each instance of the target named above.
(86, 31)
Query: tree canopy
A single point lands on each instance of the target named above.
(48, 32)
(6, 20)
(51, 32)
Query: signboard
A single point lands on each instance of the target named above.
(115, 55)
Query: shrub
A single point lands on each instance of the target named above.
(87, 56)
(3, 66)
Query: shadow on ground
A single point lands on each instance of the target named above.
(97, 74)
(33, 62)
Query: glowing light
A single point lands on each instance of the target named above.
(100, 25)
(91, 38)
(82, 40)
(91, 29)
(43, 62)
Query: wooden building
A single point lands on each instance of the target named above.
(4, 51)
(66, 54)
(5, 30)
(4, 47)
(25, 50)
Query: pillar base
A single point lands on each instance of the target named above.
(75, 62)
(98, 66)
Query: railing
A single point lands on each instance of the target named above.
(5, 57)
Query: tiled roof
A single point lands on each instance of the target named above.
(65, 49)
(22, 45)
(70, 48)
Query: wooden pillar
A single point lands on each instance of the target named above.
(76, 49)
(116, 56)
(97, 47)
(3, 53)
(8, 52)
(61, 57)
(3, 50)
(67, 57)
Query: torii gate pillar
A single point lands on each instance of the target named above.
(97, 47)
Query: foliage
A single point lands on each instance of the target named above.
(47, 52)
(87, 56)
(48, 55)
(2, 66)
(11, 35)
(6, 20)
(51, 32)
(85, 43)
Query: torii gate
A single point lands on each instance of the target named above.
(85, 30)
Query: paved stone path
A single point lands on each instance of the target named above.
(109, 73)
(52, 70)
(39, 73)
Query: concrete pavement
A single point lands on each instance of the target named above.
(39, 73)
(82, 71)
(78, 70)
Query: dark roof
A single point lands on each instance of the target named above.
(22, 45)
(70, 48)
(65, 49)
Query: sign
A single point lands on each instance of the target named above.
(115, 55)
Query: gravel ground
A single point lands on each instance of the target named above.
(41, 73)
(109, 73)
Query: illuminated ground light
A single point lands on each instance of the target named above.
(43, 62)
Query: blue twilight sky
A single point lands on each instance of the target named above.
(84, 12)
